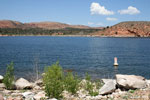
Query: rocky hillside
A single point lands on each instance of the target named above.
(127, 29)
(123, 29)
(54, 25)
(43, 25)
(10, 24)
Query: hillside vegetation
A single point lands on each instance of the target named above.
(8, 27)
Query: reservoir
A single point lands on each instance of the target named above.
(94, 55)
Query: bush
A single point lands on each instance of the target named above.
(92, 88)
(53, 80)
(71, 83)
(9, 76)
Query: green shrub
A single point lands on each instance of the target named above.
(92, 88)
(53, 80)
(9, 76)
(131, 91)
(71, 83)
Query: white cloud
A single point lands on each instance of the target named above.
(111, 19)
(68, 23)
(131, 10)
(96, 8)
(95, 24)
(100, 24)
(90, 23)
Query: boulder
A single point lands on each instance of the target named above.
(2, 86)
(108, 87)
(1, 97)
(23, 84)
(107, 80)
(131, 81)
(1, 78)
(39, 95)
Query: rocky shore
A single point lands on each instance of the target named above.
(124, 87)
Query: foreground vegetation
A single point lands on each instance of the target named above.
(9, 76)
(61, 85)
(39, 31)
(56, 81)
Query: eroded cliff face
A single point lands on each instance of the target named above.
(127, 29)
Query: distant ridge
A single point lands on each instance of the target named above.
(44, 25)
(122, 29)
(15, 28)
(10, 24)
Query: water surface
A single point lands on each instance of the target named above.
(81, 54)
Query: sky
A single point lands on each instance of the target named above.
(94, 13)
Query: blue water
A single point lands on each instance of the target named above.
(80, 54)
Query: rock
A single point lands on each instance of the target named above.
(23, 84)
(14, 98)
(17, 98)
(74, 98)
(16, 94)
(7, 92)
(66, 94)
(1, 78)
(10, 98)
(28, 95)
(130, 81)
(2, 86)
(1, 97)
(106, 80)
(39, 95)
(52, 99)
(39, 82)
(37, 88)
(108, 87)
(82, 93)
(148, 83)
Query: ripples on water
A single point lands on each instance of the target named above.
(82, 54)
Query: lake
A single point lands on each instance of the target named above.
(81, 54)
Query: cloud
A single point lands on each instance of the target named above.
(100, 24)
(95, 24)
(90, 23)
(111, 19)
(96, 8)
(131, 11)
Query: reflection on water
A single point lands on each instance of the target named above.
(80, 54)
(115, 70)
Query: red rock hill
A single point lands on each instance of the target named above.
(127, 29)
(44, 25)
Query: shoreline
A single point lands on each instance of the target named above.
(121, 88)
(77, 36)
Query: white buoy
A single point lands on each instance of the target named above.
(115, 61)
